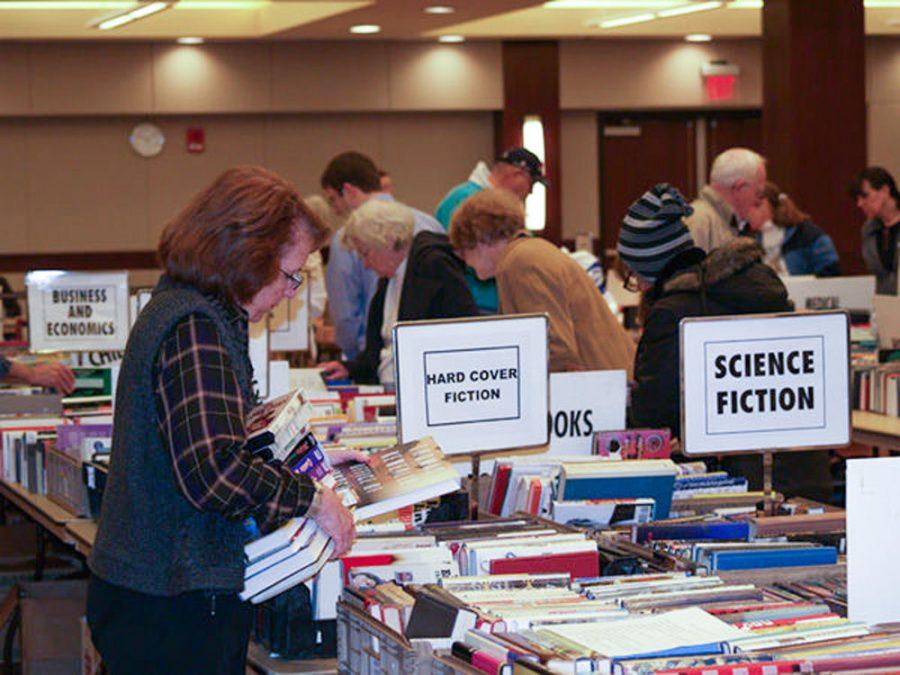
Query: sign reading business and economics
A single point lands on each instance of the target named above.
(77, 311)
(764, 382)
(473, 384)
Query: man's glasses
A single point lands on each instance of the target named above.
(295, 279)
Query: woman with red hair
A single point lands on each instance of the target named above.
(168, 561)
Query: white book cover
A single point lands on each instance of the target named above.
(604, 512)
(634, 636)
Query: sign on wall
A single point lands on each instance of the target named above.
(582, 404)
(473, 384)
(764, 382)
(77, 311)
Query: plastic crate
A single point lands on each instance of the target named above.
(368, 647)
(64, 482)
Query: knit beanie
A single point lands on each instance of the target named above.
(653, 231)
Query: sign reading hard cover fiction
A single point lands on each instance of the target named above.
(289, 323)
(582, 404)
(77, 311)
(764, 382)
(473, 384)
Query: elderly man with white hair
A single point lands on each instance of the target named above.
(736, 182)
(420, 277)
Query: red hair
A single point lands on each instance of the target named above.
(229, 238)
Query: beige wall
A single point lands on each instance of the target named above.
(653, 74)
(69, 181)
(74, 184)
(883, 94)
(279, 77)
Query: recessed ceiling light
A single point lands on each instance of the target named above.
(622, 21)
(688, 9)
(440, 9)
(745, 4)
(698, 37)
(190, 40)
(451, 38)
(365, 28)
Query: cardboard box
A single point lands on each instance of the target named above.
(51, 626)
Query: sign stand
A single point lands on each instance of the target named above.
(764, 383)
(768, 458)
(474, 484)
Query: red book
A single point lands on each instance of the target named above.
(578, 564)
(499, 488)
(349, 562)
(762, 668)
(485, 662)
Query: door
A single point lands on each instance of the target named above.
(637, 152)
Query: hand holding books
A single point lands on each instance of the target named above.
(335, 520)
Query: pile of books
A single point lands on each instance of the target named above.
(394, 477)
(630, 625)
(876, 388)
(592, 491)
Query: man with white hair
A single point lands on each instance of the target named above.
(350, 180)
(736, 181)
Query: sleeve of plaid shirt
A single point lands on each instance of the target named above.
(199, 408)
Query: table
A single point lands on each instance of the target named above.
(876, 430)
(49, 516)
(80, 533)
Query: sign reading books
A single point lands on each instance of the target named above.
(582, 404)
(765, 382)
(473, 384)
(77, 311)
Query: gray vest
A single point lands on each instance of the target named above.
(150, 538)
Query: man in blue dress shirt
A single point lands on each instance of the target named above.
(349, 181)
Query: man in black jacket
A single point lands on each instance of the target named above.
(680, 280)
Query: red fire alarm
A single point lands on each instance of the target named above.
(720, 78)
(196, 139)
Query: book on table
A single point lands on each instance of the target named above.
(394, 477)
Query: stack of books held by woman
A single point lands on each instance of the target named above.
(393, 478)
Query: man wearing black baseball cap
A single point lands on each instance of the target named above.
(516, 170)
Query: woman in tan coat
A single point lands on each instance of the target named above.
(533, 275)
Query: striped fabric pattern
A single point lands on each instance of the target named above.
(653, 231)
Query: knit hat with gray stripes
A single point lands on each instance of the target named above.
(653, 231)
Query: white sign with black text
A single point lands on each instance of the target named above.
(583, 403)
(77, 311)
(289, 323)
(764, 382)
(473, 384)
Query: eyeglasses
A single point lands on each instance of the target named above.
(294, 279)
(631, 282)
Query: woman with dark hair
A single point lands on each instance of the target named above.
(793, 244)
(877, 197)
(168, 561)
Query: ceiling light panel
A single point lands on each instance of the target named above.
(623, 21)
(688, 9)
(613, 4)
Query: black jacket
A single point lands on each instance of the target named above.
(729, 280)
(434, 288)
